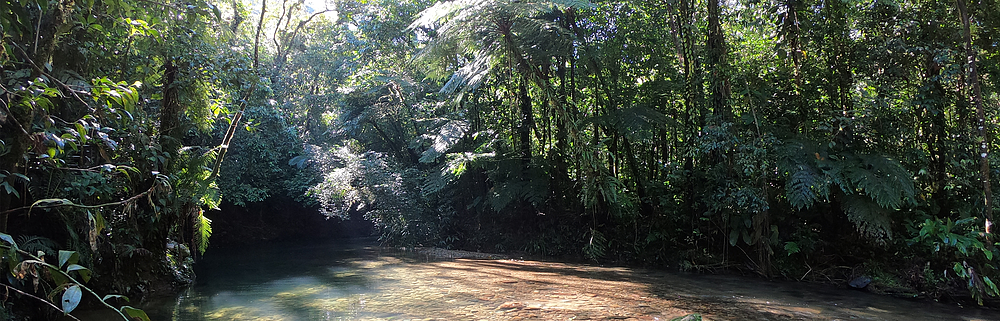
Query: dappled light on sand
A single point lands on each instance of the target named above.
(369, 283)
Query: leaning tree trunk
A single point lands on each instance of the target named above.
(977, 99)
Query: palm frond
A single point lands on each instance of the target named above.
(448, 135)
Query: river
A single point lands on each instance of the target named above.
(358, 282)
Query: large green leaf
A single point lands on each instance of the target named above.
(84, 272)
(71, 298)
(135, 313)
(8, 239)
(70, 257)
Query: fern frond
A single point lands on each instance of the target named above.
(34, 244)
(871, 219)
(889, 184)
(801, 188)
(204, 228)
(471, 75)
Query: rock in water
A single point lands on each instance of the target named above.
(860, 282)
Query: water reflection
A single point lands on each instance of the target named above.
(355, 282)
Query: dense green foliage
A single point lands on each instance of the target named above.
(784, 138)
(787, 138)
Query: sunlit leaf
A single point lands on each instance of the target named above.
(71, 298)
(85, 273)
(135, 313)
(7, 238)
(114, 296)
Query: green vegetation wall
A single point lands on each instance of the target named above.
(784, 138)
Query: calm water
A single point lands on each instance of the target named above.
(355, 282)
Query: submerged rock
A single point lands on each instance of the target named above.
(860, 282)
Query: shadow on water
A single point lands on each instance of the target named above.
(338, 281)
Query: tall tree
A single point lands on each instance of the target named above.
(977, 100)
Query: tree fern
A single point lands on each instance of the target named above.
(889, 184)
(871, 185)
(870, 218)
(480, 28)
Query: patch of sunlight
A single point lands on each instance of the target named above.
(331, 304)
(304, 290)
(373, 264)
(878, 310)
(243, 313)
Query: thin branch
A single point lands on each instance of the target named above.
(296, 32)
(38, 28)
(42, 71)
(60, 204)
(41, 300)
(94, 169)
(11, 115)
(277, 25)
(233, 126)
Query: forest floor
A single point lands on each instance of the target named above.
(477, 286)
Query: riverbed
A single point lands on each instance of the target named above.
(337, 281)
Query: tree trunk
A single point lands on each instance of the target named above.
(933, 122)
(170, 111)
(50, 27)
(527, 121)
(791, 34)
(838, 56)
(977, 99)
(719, 81)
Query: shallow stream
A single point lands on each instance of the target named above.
(357, 282)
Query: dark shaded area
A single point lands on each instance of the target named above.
(280, 219)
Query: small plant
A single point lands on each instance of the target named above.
(959, 243)
(25, 266)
